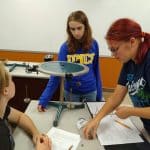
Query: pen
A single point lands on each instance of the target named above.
(123, 124)
(70, 147)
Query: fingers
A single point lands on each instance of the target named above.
(94, 133)
(117, 109)
(117, 113)
(89, 133)
(85, 132)
(44, 139)
(90, 129)
(43, 142)
(41, 108)
(47, 141)
(120, 108)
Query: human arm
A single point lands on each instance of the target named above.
(53, 82)
(97, 72)
(48, 92)
(125, 111)
(113, 102)
(23, 121)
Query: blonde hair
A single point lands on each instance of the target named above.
(4, 77)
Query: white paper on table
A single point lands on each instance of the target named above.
(62, 140)
(111, 133)
(94, 107)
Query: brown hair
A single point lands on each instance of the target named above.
(124, 29)
(85, 42)
(4, 77)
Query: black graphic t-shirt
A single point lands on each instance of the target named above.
(6, 139)
(136, 77)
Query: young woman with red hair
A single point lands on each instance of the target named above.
(131, 46)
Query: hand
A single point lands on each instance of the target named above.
(37, 136)
(123, 112)
(90, 129)
(41, 108)
(43, 143)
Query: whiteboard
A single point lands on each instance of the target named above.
(40, 25)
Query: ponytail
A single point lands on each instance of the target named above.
(144, 47)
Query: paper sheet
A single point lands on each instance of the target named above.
(111, 132)
(94, 107)
(63, 140)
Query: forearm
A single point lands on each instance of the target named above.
(140, 112)
(49, 90)
(112, 102)
(109, 106)
(27, 124)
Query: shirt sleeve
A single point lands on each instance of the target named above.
(7, 112)
(49, 91)
(54, 81)
(97, 72)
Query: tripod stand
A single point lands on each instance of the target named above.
(65, 70)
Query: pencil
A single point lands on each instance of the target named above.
(123, 124)
(70, 147)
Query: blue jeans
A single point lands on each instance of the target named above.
(88, 97)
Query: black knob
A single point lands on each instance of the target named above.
(48, 57)
(55, 123)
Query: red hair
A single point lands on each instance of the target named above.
(124, 29)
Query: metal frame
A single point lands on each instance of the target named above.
(44, 67)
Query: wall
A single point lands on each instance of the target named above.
(110, 70)
(39, 25)
(109, 66)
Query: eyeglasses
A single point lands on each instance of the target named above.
(114, 50)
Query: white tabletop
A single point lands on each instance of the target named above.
(44, 122)
(21, 72)
(68, 120)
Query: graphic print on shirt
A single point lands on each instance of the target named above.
(81, 58)
(136, 91)
(135, 87)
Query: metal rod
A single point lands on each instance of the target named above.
(57, 117)
(62, 89)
